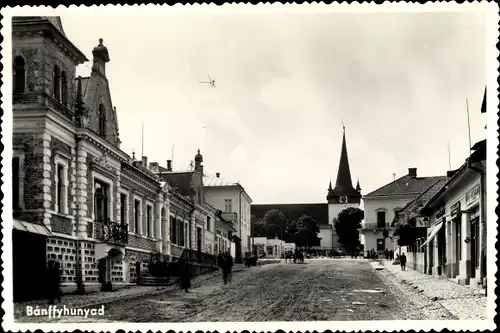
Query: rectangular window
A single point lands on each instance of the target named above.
(60, 189)
(199, 239)
(209, 221)
(228, 205)
(137, 216)
(181, 238)
(101, 201)
(173, 230)
(15, 183)
(149, 216)
(381, 219)
(123, 209)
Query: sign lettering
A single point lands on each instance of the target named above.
(472, 196)
(455, 209)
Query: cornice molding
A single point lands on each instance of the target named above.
(47, 30)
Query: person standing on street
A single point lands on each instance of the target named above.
(227, 265)
(54, 279)
(402, 260)
(184, 275)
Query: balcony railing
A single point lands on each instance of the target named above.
(375, 225)
(111, 232)
(229, 216)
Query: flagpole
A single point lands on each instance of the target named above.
(142, 140)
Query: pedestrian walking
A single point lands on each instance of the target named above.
(184, 274)
(227, 265)
(386, 254)
(54, 279)
(402, 260)
(391, 254)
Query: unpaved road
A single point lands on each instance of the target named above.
(326, 290)
(315, 290)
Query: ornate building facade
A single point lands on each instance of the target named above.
(78, 199)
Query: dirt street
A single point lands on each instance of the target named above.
(315, 290)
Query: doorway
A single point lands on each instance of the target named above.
(29, 266)
(441, 239)
(431, 256)
(474, 246)
(458, 243)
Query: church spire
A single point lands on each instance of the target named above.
(343, 185)
(344, 181)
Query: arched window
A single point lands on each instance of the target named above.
(57, 83)
(64, 88)
(102, 121)
(19, 75)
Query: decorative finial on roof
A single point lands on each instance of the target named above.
(133, 155)
(330, 185)
(343, 126)
(100, 41)
(358, 188)
(198, 158)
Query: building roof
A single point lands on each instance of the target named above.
(478, 154)
(54, 20)
(28, 23)
(343, 185)
(182, 181)
(220, 185)
(405, 185)
(318, 211)
(413, 208)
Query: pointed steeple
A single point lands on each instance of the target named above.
(358, 188)
(344, 181)
(343, 185)
(330, 186)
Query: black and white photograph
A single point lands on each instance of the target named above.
(250, 167)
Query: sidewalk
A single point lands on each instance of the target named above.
(462, 301)
(127, 293)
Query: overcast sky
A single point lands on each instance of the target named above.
(285, 82)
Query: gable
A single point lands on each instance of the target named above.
(95, 91)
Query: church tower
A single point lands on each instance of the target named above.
(343, 195)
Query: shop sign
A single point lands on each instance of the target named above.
(440, 212)
(472, 196)
(455, 209)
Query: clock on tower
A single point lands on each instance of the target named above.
(343, 199)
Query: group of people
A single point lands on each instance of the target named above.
(372, 254)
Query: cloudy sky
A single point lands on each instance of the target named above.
(285, 83)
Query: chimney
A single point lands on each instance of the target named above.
(145, 161)
(154, 167)
(412, 172)
(217, 174)
(169, 165)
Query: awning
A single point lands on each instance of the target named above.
(434, 231)
(32, 227)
